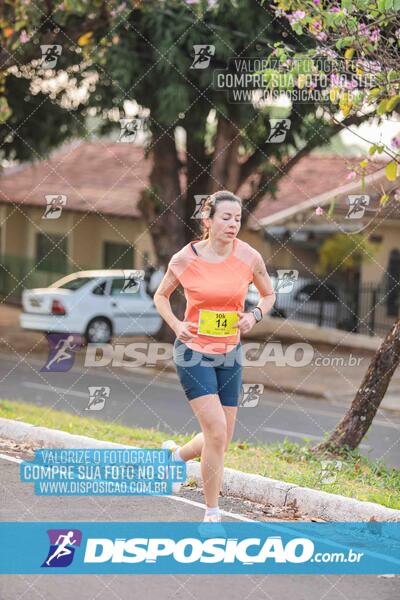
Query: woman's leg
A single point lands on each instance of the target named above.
(193, 448)
(211, 416)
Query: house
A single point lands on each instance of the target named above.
(297, 228)
(96, 224)
(79, 209)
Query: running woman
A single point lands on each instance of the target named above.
(215, 273)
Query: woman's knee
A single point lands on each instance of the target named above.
(216, 435)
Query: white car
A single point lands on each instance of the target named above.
(92, 304)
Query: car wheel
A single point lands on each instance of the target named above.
(98, 331)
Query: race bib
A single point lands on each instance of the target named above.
(214, 322)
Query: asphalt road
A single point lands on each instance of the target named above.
(148, 398)
(18, 503)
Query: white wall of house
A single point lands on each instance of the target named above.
(373, 271)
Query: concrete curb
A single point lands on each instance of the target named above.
(313, 503)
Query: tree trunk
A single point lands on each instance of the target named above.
(356, 422)
(162, 208)
(161, 203)
(197, 173)
(225, 168)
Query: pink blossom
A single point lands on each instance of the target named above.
(395, 142)
(317, 1)
(334, 9)
(321, 36)
(363, 29)
(351, 175)
(326, 51)
(350, 84)
(24, 37)
(297, 15)
(374, 35)
(319, 211)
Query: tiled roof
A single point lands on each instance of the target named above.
(96, 176)
(311, 176)
(108, 177)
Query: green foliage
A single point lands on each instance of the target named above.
(36, 124)
(359, 42)
(344, 252)
(144, 54)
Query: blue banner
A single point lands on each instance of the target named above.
(196, 548)
(102, 472)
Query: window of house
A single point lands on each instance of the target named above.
(117, 256)
(51, 253)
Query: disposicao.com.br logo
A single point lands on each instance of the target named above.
(247, 551)
(200, 548)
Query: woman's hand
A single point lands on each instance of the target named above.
(182, 330)
(246, 321)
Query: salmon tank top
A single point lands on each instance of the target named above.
(220, 287)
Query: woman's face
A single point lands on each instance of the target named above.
(225, 223)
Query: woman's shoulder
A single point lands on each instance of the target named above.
(181, 260)
(247, 253)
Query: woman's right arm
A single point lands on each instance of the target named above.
(163, 305)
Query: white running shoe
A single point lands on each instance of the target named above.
(171, 445)
(212, 527)
(212, 518)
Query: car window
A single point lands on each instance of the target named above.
(100, 289)
(73, 284)
(119, 284)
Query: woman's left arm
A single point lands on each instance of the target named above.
(263, 283)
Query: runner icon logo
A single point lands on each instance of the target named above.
(202, 56)
(63, 347)
(251, 393)
(97, 397)
(62, 547)
(54, 205)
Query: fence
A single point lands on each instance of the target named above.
(378, 308)
(368, 309)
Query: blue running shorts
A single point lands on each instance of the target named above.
(201, 373)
